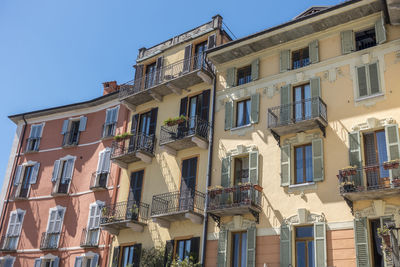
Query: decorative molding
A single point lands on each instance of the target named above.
(301, 138)
(238, 223)
(241, 149)
(372, 123)
(379, 208)
(242, 130)
(303, 216)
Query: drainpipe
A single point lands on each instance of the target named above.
(13, 174)
(209, 168)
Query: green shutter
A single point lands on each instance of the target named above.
(320, 244)
(362, 81)
(286, 105)
(228, 115)
(318, 159)
(255, 108)
(313, 51)
(226, 172)
(285, 165)
(115, 256)
(222, 245)
(315, 84)
(251, 246)
(253, 167)
(373, 78)
(347, 41)
(285, 246)
(361, 242)
(355, 156)
(285, 60)
(255, 69)
(231, 77)
(380, 31)
(392, 146)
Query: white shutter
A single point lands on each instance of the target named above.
(56, 170)
(52, 219)
(18, 173)
(18, 223)
(68, 168)
(95, 260)
(100, 162)
(108, 116)
(65, 127)
(12, 224)
(92, 216)
(78, 261)
(38, 262)
(114, 114)
(82, 124)
(106, 161)
(98, 214)
(58, 220)
(35, 172)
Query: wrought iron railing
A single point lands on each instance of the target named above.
(8, 243)
(62, 187)
(235, 196)
(122, 211)
(98, 180)
(137, 142)
(32, 144)
(90, 237)
(192, 126)
(377, 177)
(179, 201)
(49, 241)
(71, 138)
(108, 130)
(296, 112)
(164, 74)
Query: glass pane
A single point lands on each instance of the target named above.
(248, 111)
(305, 232)
(301, 254)
(125, 256)
(309, 169)
(310, 253)
(307, 103)
(236, 240)
(181, 250)
(240, 119)
(298, 106)
(382, 152)
(244, 250)
(187, 249)
(299, 165)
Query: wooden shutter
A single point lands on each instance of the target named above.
(82, 123)
(187, 58)
(137, 252)
(67, 175)
(318, 159)
(361, 242)
(313, 51)
(106, 161)
(255, 69)
(285, 60)
(373, 77)
(228, 115)
(78, 261)
(52, 218)
(56, 262)
(348, 45)
(380, 31)
(285, 246)
(135, 124)
(251, 246)
(195, 249)
(169, 252)
(253, 167)
(205, 105)
(138, 77)
(315, 85)
(320, 244)
(108, 116)
(115, 257)
(159, 64)
(153, 121)
(12, 224)
(286, 105)
(285, 165)
(92, 216)
(38, 262)
(222, 246)
(95, 260)
(355, 156)
(100, 163)
(226, 172)
(231, 77)
(56, 170)
(392, 146)
(183, 107)
(255, 108)
(65, 127)
(35, 172)
(59, 215)
(211, 41)
(362, 81)
(17, 176)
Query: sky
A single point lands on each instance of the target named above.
(59, 52)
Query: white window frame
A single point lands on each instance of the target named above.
(115, 122)
(46, 257)
(88, 256)
(99, 169)
(368, 81)
(58, 181)
(40, 135)
(7, 257)
(380, 63)
(70, 120)
(57, 208)
(17, 211)
(100, 205)
(18, 189)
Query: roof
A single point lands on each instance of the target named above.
(310, 10)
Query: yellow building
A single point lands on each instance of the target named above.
(296, 104)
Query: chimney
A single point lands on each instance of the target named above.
(110, 87)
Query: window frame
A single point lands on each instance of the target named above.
(245, 102)
(149, 84)
(304, 164)
(307, 240)
(363, 31)
(303, 101)
(246, 72)
(99, 205)
(112, 124)
(179, 239)
(235, 160)
(368, 81)
(37, 138)
(68, 133)
(56, 186)
(17, 212)
(57, 209)
(99, 170)
(23, 171)
(232, 254)
(301, 52)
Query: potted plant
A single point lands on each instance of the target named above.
(348, 186)
(384, 233)
(175, 121)
(348, 171)
(396, 182)
(391, 164)
(384, 182)
(371, 168)
(123, 136)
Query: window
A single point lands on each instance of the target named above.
(244, 75)
(303, 161)
(302, 102)
(239, 249)
(62, 174)
(33, 141)
(136, 184)
(103, 169)
(7, 261)
(182, 251)
(188, 183)
(131, 255)
(23, 192)
(241, 170)
(143, 129)
(368, 80)
(305, 246)
(199, 55)
(150, 75)
(365, 39)
(71, 130)
(111, 122)
(25, 175)
(93, 229)
(89, 259)
(47, 262)
(13, 230)
(52, 235)
(243, 110)
(300, 58)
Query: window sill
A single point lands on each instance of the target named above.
(242, 130)
(105, 138)
(302, 187)
(31, 151)
(369, 97)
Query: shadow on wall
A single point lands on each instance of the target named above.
(166, 173)
(270, 215)
(71, 227)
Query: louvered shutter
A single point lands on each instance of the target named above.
(183, 107)
(362, 81)
(56, 262)
(253, 167)
(231, 77)
(52, 219)
(18, 223)
(65, 127)
(138, 77)
(251, 246)
(285, 60)
(159, 64)
(228, 115)
(8, 262)
(56, 170)
(109, 116)
(286, 105)
(38, 262)
(205, 105)
(195, 249)
(95, 260)
(313, 51)
(380, 31)
(12, 224)
(285, 165)
(222, 247)
(226, 172)
(392, 146)
(153, 121)
(320, 244)
(255, 108)
(135, 124)
(100, 163)
(211, 41)
(68, 169)
(168, 253)
(92, 217)
(355, 156)
(78, 261)
(285, 246)
(35, 172)
(315, 85)
(373, 78)
(255, 69)
(115, 257)
(106, 161)
(361, 242)
(82, 123)
(187, 58)
(17, 176)
(318, 159)
(58, 220)
(347, 42)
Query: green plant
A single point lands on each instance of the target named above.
(384, 231)
(123, 136)
(174, 121)
(188, 262)
(152, 257)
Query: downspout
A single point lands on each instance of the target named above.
(21, 140)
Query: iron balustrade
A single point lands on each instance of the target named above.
(137, 142)
(298, 111)
(192, 126)
(99, 180)
(108, 130)
(63, 186)
(32, 144)
(90, 237)
(176, 202)
(49, 241)
(244, 195)
(164, 74)
(71, 138)
(8, 243)
(123, 211)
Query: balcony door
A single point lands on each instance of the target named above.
(199, 55)
(26, 182)
(188, 183)
(302, 102)
(143, 129)
(135, 194)
(150, 75)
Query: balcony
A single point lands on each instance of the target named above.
(98, 181)
(177, 206)
(124, 215)
(90, 238)
(169, 79)
(49, 241)
(192, 132)
(377, 182)
(135, 148)
(297, 117)
(70, 139)
(235, 200)
(8, 243)
(32, 144)
(61, 187)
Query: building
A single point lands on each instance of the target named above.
(60, 179)
(295, 105)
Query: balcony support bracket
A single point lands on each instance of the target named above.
(120, 164)
(216, 219)
(200, 142)
(110, 230)
(130, 106)
(350, 204)
(135, 227)
(322, 127)
(162, 222)
(276, 136)
(169, 150)
(255, 214)
(156, 96)
(194, 218)
(145, 158)
(175, 89)
(207, 79)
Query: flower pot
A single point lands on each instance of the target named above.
(390, 165)
(386, 239)
(384, 182)
(396, 182)
(348, 188)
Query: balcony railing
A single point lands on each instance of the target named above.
(8, 243)
(32, 144)
(137, 142)
(125, 211)
(71, 138)
(108, 130)
(49, 241)
(178, 202)
(90, 237)
(62, 187)
(98, 180)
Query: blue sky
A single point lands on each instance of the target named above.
(59, 52)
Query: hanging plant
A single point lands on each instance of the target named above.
(348, 171)
(391, 164)
(123, 136)
(175, 121)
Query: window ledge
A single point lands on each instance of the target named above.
(302, 187)
(369, 97)
(105, 138)
(242, 130)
